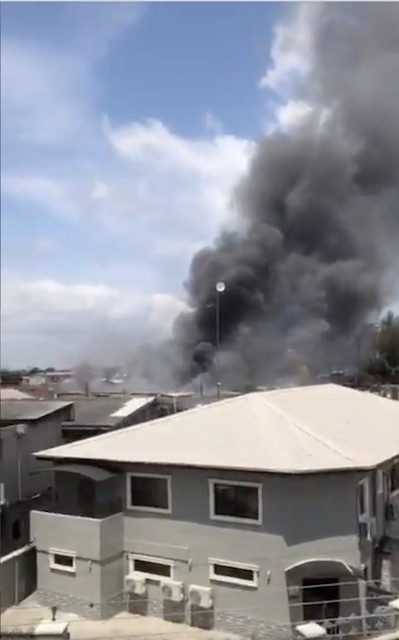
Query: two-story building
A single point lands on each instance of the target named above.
(252, 514)
(25, 427)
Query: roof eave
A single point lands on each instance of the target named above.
(289, 472)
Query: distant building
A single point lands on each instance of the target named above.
(25, 427)
(272, 506)
(95, 415)
(59, 375)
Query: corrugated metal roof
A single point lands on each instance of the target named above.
(106, 411)
(305, 429)
(25, 410)
(131, 406)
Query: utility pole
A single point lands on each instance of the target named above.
(220, 288)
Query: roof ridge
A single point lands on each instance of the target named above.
(305, 429)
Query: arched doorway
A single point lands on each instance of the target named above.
(323, 590)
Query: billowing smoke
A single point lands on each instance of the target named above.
(311, 258)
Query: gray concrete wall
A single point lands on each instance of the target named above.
(303, 517)
(17, 577)
(40, 435)
(98, 547)
(31, 478)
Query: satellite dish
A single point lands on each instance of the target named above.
(220, 287)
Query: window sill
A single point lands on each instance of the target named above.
(234, 582)
(247, 521)
(148, 509)
(60, 569)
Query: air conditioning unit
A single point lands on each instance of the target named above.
(136, 583)
(200, 596)
(172, 590)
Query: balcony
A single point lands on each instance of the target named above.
(86, 537)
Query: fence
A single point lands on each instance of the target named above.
(17, 576)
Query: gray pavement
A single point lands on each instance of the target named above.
(123, 625)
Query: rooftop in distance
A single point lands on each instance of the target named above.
(13, 411)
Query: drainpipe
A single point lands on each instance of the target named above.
(19, 474)
(16, 595)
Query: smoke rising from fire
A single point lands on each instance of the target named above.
(318, 215)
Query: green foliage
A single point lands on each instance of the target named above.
(385, 363)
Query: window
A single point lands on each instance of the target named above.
(394, 477)
(16, 531)
(62, 560)
(363, 500)
(233, 572)
(238, 502)
(381, 481)
(147, 492)
(151, 568)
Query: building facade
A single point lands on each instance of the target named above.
(231, 546)
(25, 481)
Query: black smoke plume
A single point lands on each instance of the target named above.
(319, 216)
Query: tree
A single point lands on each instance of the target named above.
(385, 363)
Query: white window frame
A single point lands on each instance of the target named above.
(214, 577)
(248, 521)
(61, 567)
(133, 507)
(381, 482)
(132, 557)
(394, 464)
(364, 517)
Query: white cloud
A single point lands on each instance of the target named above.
(140, 183)
(159, 189)
(46, 319)
(187, 182)
(292, 114)
(147, 180)
(291, 60)
(46, 87)
(290, 50)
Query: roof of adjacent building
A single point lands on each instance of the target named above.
(297, 430)
(29, 410)
(9, 393)
(108, 411)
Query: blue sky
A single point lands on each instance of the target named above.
(124, 130)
